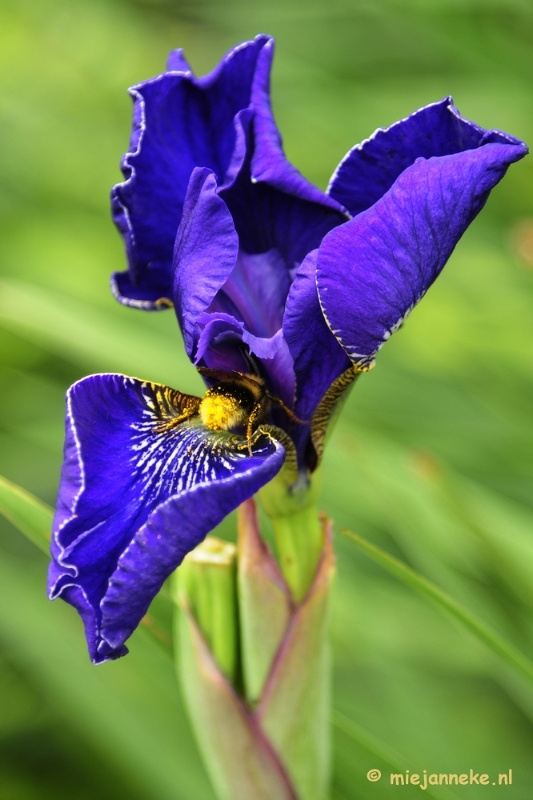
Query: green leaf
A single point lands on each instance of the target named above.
(447, 603)
(27, 513)
(368, 741)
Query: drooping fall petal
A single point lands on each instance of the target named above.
(139, 489)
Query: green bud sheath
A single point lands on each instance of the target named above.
(265, 604)
(207, 587)
(294, 709)
(239, 758)
(265, 737)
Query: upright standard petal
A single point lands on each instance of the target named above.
(206, 253)
(233, 268)
(211, 273)
(143, 482)
(373, 270)
(269, 164)
(281, 216)
(370, 168)
(179, 122)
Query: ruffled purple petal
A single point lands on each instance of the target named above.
(318, 357)
(370, 168)
(149, 293)
(176, 62)
(255, 292)
(206, 253)
(374, 269)
(179, 122)
(269, 164)
(137, 493)
(267, 218)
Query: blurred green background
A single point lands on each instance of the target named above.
(432, 459)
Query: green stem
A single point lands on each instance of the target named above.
(291, 503)
(299, 541)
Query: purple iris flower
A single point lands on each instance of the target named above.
(270, 278)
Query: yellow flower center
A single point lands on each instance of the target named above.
(221, 411)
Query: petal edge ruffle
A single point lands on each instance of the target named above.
(370, 168)
(132, 472)
(373, 270)
(179, 122)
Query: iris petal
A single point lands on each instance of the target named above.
(206, 252)
(216, 283)
(138, 491)
(179, 122)
(318, 357)
(269, 164)
(278, 217)
(370, 168)
(225, 344)
(256, 292)
(246, 272)
(374, 269)
(176, 61)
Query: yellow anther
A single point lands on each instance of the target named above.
(221, 412)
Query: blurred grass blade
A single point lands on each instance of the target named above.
(84, 334)
(382, 751)
(27, 513)
(476, 626)
(369, 742)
